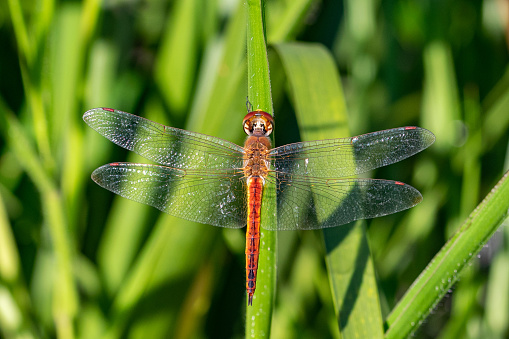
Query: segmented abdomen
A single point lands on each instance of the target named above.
(255, 188)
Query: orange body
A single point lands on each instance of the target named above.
(255, 188)
(256, 166)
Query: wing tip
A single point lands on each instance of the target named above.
(88, 114)
(98, 174)
(92, 111)
(428, 137)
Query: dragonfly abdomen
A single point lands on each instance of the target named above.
(254, 189)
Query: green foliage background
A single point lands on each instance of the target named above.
(76, 261)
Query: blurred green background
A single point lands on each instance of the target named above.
(75, 260)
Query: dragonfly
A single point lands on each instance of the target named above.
(205, 179)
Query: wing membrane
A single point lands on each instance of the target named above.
(215, 197)
(321, 203)
(165, 145)
(337, 158)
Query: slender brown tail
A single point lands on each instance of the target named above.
(255, 187)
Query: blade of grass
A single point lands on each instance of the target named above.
(65, 300)
(68, 90)
(43, 21)
(259, 315)
(440, 104)
(31, 76)
(20, 30)
(39, 119)
(495, 118)
(176, 63)
(286, 24)
(497, 295)
(66, 59)
(14, 297)
(321, 113)
(9, 258)
(443, 270)
(257, 62)
(66, 109)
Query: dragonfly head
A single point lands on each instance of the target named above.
(258, 123)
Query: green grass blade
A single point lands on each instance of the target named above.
(321, 112)
(62, 120)
(257, 63)
(20, 30)
(31, 74)
(65, 299)
(14, 296)
(441, 107)
(286, 23)
(443, 270)
(9, 258)
(496, 119)
(497, 295)
(259, 315)
(177, 60)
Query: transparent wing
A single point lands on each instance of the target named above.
(337, 158)
(165, 145)
(214, 197)
(310, 203)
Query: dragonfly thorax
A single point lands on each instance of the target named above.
(256, 158)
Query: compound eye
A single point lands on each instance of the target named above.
(268, 126)
(247, 127)
(258, 123)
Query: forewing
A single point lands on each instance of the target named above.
(165, 145)
(337, 158)
(305, 203)
(214, 197)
